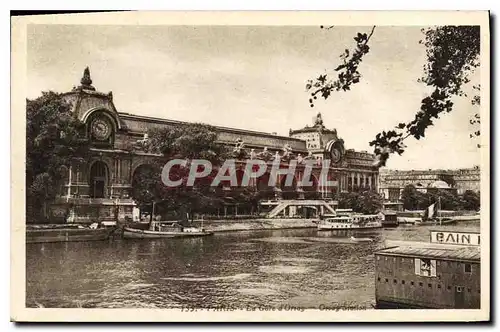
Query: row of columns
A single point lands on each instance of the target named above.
(359, 179)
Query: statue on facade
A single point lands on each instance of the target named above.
(318, 122)
(86, 81)
(238, 150)
(287, 152)
(143, 144)
(276, 156)
(309, 156)
(253, 155)
(300, 159)
(264, 155)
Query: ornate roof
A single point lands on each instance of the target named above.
(86, 81)
(318, 126)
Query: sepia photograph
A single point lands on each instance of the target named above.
(260, 166)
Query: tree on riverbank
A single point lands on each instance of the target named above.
(452, 54)
(471, 200)
(363, 201)
(187, 141)
(415, 200)
(53, 140)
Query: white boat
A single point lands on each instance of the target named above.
(361, 239)
(353, 221)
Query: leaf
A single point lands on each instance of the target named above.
(339, 67)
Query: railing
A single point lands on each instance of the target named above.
(284, 204)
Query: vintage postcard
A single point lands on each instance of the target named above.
(250, 166)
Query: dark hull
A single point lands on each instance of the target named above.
(437, 222)
(133, 233)
(67, 235)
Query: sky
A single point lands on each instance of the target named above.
(253, 77)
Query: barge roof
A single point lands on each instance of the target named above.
(461, 253)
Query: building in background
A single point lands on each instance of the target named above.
(101, 188)
(392, 182)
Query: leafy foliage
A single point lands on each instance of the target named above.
(187, 141)
(364, 201)
(471, 200)
(53, 139)
(452, 54)
(348, 73)
(476, 119)
(415, 200)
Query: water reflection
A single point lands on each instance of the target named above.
(301, 268)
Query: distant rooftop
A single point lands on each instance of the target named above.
(430, 170)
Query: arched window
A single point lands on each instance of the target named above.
(98, 180)
(289, 191)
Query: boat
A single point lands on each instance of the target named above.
(390, 219)
(437, 221)
(431, 216)
(353, 221)
(158, 230)
(67, 233)
(361, 239)
(444, 273)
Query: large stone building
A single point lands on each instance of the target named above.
(101, 188)
(392, 182)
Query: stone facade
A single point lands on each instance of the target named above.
(101, 188)
(392, 182)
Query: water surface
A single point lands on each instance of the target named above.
(295, 268)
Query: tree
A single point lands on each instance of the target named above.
(409, 197)
(471, 200)
(371, 202)
(452, 53)
(449, 199)
(367, 201)
(423, 200)
(186, 141)
(53, 140)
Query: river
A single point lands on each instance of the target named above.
(300, 268)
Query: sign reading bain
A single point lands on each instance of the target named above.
(460, 238)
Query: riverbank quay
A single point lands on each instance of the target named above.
(215, 226)
(255, 224)
(412, 220)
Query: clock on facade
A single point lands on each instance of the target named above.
(336, 150)
(336, 155)
(101, 129)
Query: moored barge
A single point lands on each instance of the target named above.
(69, 233)
(443, 274)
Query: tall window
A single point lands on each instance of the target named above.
(394, 194)
(98, 179)
(425, 267)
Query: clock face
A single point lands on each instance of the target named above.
(336, 155)
(101, 129)
(337, 151)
